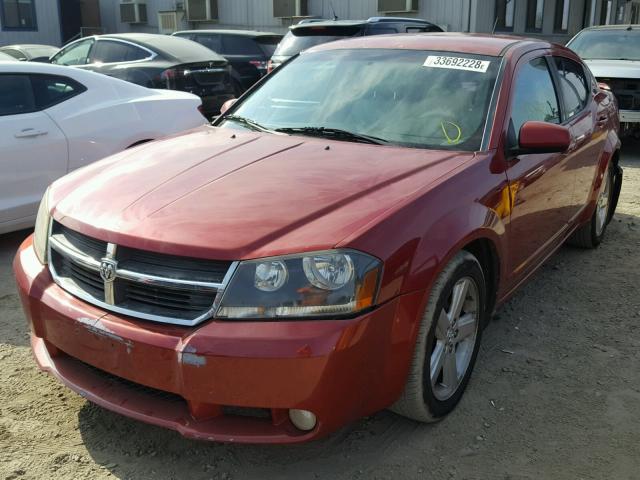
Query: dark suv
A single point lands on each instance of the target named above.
(155, 61)
(312, 32)
(247, 51)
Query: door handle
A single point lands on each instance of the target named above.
(30, 132)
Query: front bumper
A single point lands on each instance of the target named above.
(199, 381)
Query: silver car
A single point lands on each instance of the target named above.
(612, 52)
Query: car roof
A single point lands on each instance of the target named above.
(28, 46)
(176, 47)
(613, 27)
(319, 22)
(492, 45)
(244, 33)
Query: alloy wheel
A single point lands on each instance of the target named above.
(602, 207)
(455, 337)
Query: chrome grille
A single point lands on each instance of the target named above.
(148, 285)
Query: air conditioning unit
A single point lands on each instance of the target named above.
(202, 10)
(398, 6)
(133, 11)
(167, 22)
(289, 8)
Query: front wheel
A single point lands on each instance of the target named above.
(447, 343)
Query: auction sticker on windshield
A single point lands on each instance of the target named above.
(457, 63)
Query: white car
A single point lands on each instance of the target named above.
(55, 119)
(612, 53)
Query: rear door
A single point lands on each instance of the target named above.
(541, 184)
(580, 114)
(34, 150)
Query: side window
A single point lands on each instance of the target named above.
(574, 85)
(381, 31)
(49, 90)
(534, 97)
(76, 54)
(107, 51)
(212, 42)
(16, 95)
(17, 54)
(236, 45)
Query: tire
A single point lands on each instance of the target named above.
(425, 400)
(590, 234)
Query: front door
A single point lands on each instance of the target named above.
(541, 184)
(34, 151)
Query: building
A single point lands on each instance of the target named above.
(49, 22)
(57, 21)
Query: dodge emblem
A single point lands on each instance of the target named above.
(108, 269)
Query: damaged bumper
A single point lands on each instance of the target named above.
(222, 381)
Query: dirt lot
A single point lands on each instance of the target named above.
(555, 394)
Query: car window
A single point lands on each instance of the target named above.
(573, 83)
(381, 31)
(300, 39)
(534, 96)
(108, 51)
(16, 95)
(237, 45)
(76, 54)
(268, 44)
(17, 54)
(49, 90)
(212, 42)
(411, 98)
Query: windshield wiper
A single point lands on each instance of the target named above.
(335, 133)
(247, 122)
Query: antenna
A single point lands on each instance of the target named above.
(335, 17)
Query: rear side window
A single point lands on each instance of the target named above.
(107, 51)
(49, 90)
(18, 55)
(212, 42)
(237, 45)
(16, 95)
(381, 31)
(534, 97)
(573, 83)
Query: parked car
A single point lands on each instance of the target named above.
(325, 251)
(55, 119)
(248, 52)
(312, 32)
(30, 53)
(155, 61)
(612, 52)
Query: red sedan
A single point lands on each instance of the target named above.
(333, 246)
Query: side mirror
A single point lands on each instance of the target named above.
(543, 137)
(227, 105)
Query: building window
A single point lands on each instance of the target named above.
(535, 12)
(18, 14)
(504, 15)
(561, 18)
(605, 12)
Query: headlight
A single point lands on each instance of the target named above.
(318, 284)
(41, 231)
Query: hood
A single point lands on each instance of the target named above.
(229, 195)
(614, 68)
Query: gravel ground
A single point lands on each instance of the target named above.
(555, 394)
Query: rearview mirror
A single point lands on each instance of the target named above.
(543, 137)
(227, 105)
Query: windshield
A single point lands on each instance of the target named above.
(412, 98)
(302, 39)
(615, 44)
